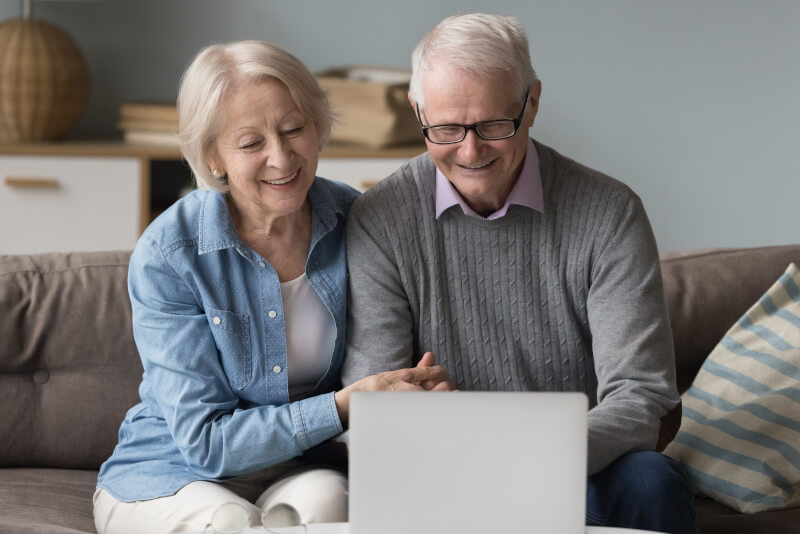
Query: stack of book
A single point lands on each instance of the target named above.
(149, 123)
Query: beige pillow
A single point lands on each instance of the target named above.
(739, 440)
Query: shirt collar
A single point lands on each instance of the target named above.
(527, 190)
(217, 231)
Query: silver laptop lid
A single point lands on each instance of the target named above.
(467, 463)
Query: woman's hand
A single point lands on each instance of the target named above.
(426, 376)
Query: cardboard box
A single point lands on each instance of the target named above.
(371, 106)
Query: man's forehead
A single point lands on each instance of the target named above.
(447, 89)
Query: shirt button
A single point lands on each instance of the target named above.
(276, 369)
(217, 320)
(262, 264)
(272, 314)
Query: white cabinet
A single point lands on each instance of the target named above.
(360, 173)
(81, 196)
(60, 203)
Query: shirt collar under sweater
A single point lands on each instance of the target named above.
(527, 190)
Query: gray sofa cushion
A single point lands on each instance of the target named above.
(707, 291)
(46, 501)
(69, 370)
(68, 367)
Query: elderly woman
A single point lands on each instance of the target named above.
(238, 294)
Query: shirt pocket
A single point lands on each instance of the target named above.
(232, 334)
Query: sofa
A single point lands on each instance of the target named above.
(69, 371)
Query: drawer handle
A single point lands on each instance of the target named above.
(29, 182)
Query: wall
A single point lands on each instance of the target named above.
(692, 103)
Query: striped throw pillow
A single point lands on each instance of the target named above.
(740, 434)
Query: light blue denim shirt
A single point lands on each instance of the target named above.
(208, 323)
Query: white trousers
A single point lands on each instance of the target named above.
(303, 495)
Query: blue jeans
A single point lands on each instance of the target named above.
(644, 490)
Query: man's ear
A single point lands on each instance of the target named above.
(534, 94)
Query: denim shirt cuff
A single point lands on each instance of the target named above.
(316, 419)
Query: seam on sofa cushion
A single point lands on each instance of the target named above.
(76, 268)
(669, 257)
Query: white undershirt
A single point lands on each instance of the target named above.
(310, 335)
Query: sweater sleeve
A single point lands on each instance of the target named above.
(631, 339)
(380, 326)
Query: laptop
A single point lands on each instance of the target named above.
(467, 463)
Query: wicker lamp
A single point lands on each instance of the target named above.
(44, 80)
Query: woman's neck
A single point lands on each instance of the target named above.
(282, 240)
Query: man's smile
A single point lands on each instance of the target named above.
(476, 166)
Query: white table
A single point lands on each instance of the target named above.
(343, 528)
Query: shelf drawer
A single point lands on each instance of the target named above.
(62, 204)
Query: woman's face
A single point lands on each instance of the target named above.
(268, 148)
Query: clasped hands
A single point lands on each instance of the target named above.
(426, 376)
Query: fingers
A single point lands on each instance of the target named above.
(428, 360)
(432, 378)
(423, 374)
(405, 386)
(447, 385)
(426, 376)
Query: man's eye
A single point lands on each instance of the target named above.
(448, 130)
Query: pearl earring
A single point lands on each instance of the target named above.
(219, 175)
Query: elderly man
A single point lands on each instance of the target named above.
(520, 269)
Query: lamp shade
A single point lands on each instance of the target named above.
(44, 81)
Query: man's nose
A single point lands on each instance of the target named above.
(469, 147)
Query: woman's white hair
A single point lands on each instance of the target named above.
(478, 43)
(206, 83)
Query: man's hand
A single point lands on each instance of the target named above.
(428, 360)
(425, 376)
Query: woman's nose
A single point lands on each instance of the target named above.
(279, 154)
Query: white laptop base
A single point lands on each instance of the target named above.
(467, 463)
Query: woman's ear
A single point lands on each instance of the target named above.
(215, 164)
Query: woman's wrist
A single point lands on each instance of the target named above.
(341, 399)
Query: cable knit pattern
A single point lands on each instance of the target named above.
(565, 300)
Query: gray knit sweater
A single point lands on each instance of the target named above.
(566, 300)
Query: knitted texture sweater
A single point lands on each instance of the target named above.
(569, 299)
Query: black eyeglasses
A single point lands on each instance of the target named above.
(447, 134)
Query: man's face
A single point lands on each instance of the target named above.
(483, 172)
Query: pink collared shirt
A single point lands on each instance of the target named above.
(527, 190)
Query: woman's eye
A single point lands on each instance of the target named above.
(249, 146)
(293, 132)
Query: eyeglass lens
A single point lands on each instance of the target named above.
(498, 129)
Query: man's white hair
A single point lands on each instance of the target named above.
(477, 43)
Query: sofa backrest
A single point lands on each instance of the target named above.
(707, 291)
(69, 369)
